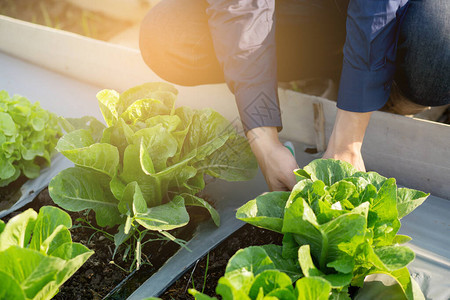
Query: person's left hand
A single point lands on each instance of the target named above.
(275, 160)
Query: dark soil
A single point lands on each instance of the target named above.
(445, 118)
(217, 260)
(11, 193)
(65, 16)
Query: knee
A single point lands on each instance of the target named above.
(424, 53)
(176, 44)
(153, 39)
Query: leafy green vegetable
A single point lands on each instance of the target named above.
(28, 135)
(341, 224)
(148, 164)
(37, 254)
(260, 272)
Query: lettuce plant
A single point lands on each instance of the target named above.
(341, 224)
(260, 272)
(149, 162)
(37, 254)
(28, 135)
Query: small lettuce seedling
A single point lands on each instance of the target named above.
(28, 135)
(37, 254)
(149, 162)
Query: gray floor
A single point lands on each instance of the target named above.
(57, 93)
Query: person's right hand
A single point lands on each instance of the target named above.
(274, 159)
(347, 138)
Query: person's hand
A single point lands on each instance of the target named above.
(347, 138)
(274, 159)
(352, 156)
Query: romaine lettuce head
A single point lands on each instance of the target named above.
(348, 220)
(28, 135)
(149, 162)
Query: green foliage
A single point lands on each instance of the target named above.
(148, 164)
(341, 224)
(37, 254)
(28, 135)
(260, 272)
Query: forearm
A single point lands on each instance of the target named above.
(244, 42)
(261, 138)
(349, 130)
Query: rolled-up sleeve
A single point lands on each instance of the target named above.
(369, 53)
(243, 34)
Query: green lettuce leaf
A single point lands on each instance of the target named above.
(329, 171)
(76, 189)
(268, 281)
(10, 288)
(265, 211)
(34, 269)
(28, 135)
(313, 288)
(79, 147)
(19, 229)
(164, 217)
(408, 200)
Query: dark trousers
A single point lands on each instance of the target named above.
(176, 44)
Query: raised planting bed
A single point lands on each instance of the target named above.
(426, 224)
(395, 146)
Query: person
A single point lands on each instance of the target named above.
(251, 45)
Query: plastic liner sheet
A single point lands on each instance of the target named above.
(429, 227)
(33, 187)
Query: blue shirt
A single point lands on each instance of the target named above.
(243, 34)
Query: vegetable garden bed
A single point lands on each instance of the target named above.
(428, 225)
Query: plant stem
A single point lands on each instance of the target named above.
(108, 235)
(113, 263)
(206, 273)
